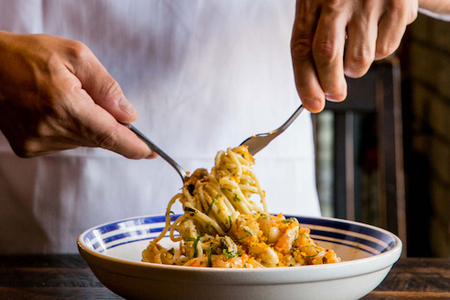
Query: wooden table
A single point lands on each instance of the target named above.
(69, 277)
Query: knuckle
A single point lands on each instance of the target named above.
(359, 62)
(43, 130)
(110, 89)
(333, 6)
(107, 140)
(325, 51)
(301, 48)
(413, 16)
(361, 58)
(77, 51)
(24, 149)
(396, 6)
(402, 11)
(385, 50)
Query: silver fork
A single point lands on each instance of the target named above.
(254, 143)
(158, 150)
(259, 141)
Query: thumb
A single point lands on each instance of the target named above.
(102, 88)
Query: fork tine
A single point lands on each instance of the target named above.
(258, 142)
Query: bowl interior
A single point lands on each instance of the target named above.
(126, 239)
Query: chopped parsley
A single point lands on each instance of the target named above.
(195, 240)
(231, 254)
(263, 216)
(209, 257)
(295, 237)
(306, 256)
(243, 237)
(231, 223)
(306, 246)
(306, 235)
(289, 220)
(236, 198)
(249, 232)
(212, 203)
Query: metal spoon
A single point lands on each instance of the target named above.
(158, 150)
(259, 141)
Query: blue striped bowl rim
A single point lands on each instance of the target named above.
(367, 238)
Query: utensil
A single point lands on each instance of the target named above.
(158, 150)
(259, 141)
(254, 143)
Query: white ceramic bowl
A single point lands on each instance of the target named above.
(113, 252)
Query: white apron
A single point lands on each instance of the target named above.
(203, 75)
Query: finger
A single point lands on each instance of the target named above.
(108, 134)
(116, 137)
(35, 148)
(306, 81)
(328, 52)
(121, 140)
(361, 43)
(93, 126)
(391, 28)
(100, 85)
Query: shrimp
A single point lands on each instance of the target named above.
(287, 239)
(268, 256)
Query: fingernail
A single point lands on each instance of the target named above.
(127, 107)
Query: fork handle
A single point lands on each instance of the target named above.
(290, 120)
(158, 150)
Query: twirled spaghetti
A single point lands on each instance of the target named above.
(223, 227)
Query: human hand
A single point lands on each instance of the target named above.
(56, 95)
(373, 30)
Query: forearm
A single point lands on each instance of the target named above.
(436, 6)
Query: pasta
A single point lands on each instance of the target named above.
(223, 227)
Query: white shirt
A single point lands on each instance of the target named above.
(203, 75)
(442, 17)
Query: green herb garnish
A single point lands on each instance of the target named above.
(236, 198)
(295, 238)
(289, 220)
(231, 254)
(212, 203)
(231, 224)
(195, 245)
(306, 256)
(209, 257)
(249, 232)
(243, 237)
